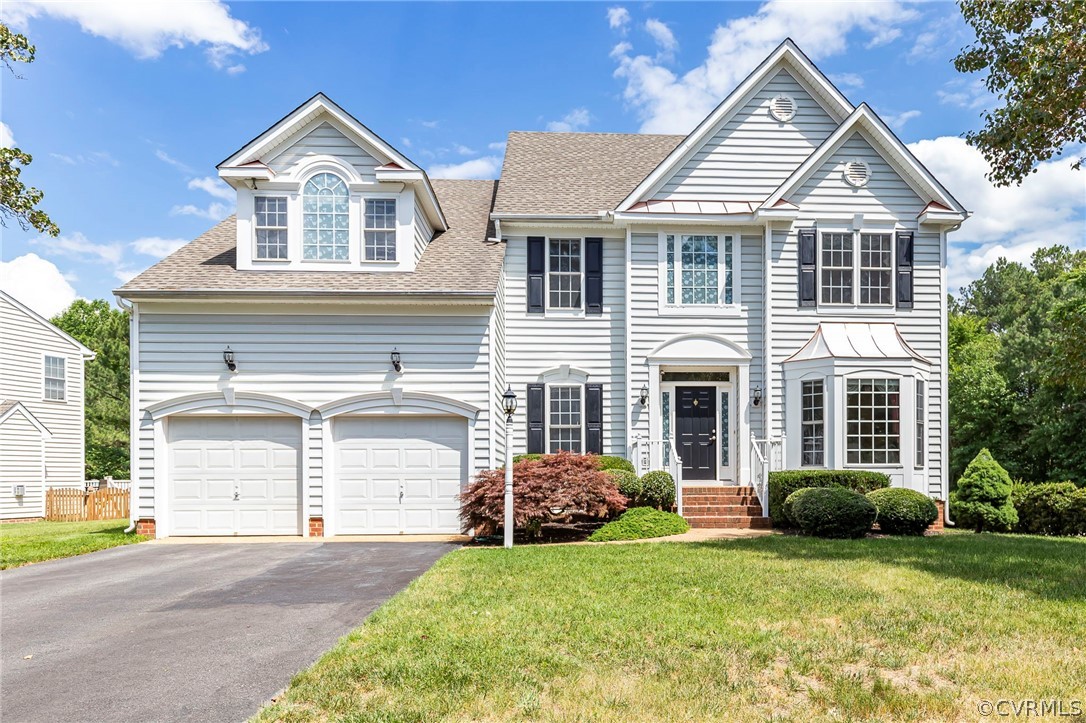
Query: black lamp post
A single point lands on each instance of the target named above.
(509, 405)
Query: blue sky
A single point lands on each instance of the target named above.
(130, 106)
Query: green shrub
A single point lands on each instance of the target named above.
(1052, 508)
(790, 503)
(657, 489)
(784, 483)
(610, 461)
(522, 457)
(982, 501)
(902, 511)
(641, 523)
(629, 484)
(833, 512)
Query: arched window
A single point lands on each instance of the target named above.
(325, 217)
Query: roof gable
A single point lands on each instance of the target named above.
(10, 407)
(786, 56)
(43, 322)
(864, 121)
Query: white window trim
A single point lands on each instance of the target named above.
(363, 200)
(921, 445)
(66, 395)
(700, 310)
(253, 226)
(558, 311)
(352, 199)
(889, 308)
(547, 408)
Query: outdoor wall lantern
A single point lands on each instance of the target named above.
(644, 398)
(395, 356)
(228, 358)
(757, 399)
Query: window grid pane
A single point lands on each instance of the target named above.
(564, 429)
(725, 415)
(700, 270)
(54, 378)
(876, 262)
(671, 269)
(921, 442)
(813, 424)
(665, 410)
(325, 219)
(874, 427)
(380, 229)
(564, 278)
(837, 268)
(271, 227)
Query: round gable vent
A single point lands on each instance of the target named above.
(783, 107)
(856, 173)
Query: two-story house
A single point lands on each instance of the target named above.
(42, 440)
(766, 291)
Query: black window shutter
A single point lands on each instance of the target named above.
(593, 275)
(593, 414)
(904, 269)
(808, 267)
(536, 415)
(537, 264)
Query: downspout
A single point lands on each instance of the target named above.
(132, 516)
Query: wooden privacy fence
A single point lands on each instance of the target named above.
(68, 505)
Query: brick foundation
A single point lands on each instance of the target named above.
(145, 527)
(19, 520)
(937, 526)
(316, 527)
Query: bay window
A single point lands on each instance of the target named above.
(813, 425)
(873, 416)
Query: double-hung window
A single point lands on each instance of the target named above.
(874, 421)
(700, 270)
(380, 229)
(325, 219)
(921, 442)
(813, 425)
(860, 275)
(55, 386)
(564, 273)
(565, 419)
(271, 227)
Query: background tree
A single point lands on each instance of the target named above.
(104, 330)
(1035, 57)
(18, 201)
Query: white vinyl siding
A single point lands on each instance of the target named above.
(323, 140)
(22, 462)
(734, 165)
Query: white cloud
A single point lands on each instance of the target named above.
(576, 120)
(663, 36)
(1013, 222)
(147, 29)
(157, 247)
(215, 211)
(37, 283)
(965, 93)
(170, 160)
(78, 247)
(941, 39)
(897, 121)
(213, 186)
(668, 103)
(463, 150)
(405, 142)
(485, 167)
(497, 146)
(92, 158)
(124, 275)
(430, 123)
(618, 18)
(847, 81)
(7, 138)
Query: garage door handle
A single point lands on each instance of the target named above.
(237, 495)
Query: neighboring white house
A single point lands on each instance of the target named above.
(766, 291)
(41, 410)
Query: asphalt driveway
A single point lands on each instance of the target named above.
(202, 632)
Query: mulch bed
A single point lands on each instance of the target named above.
(551, 533)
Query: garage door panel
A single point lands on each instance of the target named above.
(418, 458)
(385, 458)
(385, 489)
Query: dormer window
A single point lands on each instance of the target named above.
(380, 231)
(325, 219)
(271, 227)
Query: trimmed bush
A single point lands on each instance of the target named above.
(629, 484)
(523, 457)
(641, 523)
(902, 511)
(1052, 508)
(610, 461)
(790, 502)
(982, 501)
(833, 512)
(555, 488)
(784, 483)
(657, 489)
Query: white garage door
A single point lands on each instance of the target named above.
(399, 474)
(234, 476)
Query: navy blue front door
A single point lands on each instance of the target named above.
(695, 431)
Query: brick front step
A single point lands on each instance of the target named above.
(731, 489)
(721, 510)
(721, 500)
(730, 521)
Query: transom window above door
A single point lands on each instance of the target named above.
(700, 270)
(564, 273)
(325, 219)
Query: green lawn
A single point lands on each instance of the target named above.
(25, 542)
(776, 628)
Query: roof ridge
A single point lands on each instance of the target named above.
(597, 133)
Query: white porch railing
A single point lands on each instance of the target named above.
(766, 455)
(652, 454)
